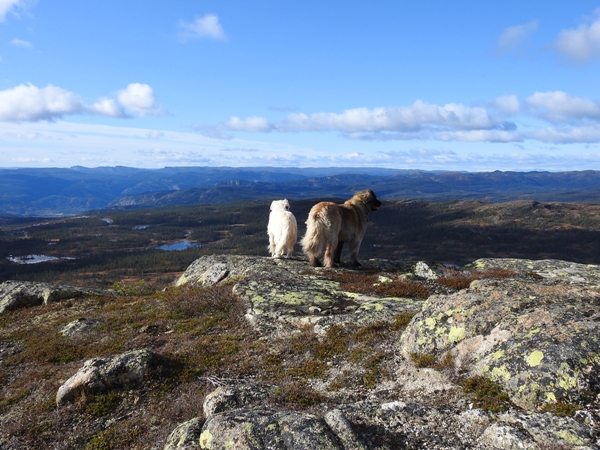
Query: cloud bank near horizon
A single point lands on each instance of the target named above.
(549, 117)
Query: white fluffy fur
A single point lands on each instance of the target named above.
(282, 229)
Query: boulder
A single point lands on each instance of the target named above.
(539, 340)
(16, 294)
(262, 428)
(112, 372)
(79, 326)
(226, 398)
(185, 436)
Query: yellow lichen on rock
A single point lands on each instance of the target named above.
(206, 439)
(535, 358)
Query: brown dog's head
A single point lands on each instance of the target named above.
(369, 198)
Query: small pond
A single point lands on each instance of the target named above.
(182, 245)
(35, 259)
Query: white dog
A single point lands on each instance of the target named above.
(282, 229)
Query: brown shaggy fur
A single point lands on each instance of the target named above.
(331, 225)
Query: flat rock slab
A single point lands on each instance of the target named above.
(17, 294)
(414, 426)
(290, 287)
(551, 269)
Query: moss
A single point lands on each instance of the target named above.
(19, 395)
(561, 409)
(373, 370)
(98, 442)
(298, 394)
(336, 342)
(103, 404)
(421, 360)
(309, 369)
(486, 394)
(401, 321)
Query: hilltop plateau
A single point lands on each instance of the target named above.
(249, 352)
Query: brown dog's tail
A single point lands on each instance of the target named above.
(312, 243)
(318, 231)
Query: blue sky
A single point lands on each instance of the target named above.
(451, 85)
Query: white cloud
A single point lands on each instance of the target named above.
(7, 6)
(29, 136)
(558, 106)
(581, 43)
(412, 118)
(30, 160)
(139, 98)
(383, 123)
(207, 26)
(30, 103)
(107, 107)
(566, 135)
(513, 36)
(573, 120)
(21, 43)
(155, 134)
(254, 123)
(480, 136)
(507, 104)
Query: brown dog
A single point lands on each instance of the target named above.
(331, 225)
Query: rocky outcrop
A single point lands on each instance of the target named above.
(373, 425)
(112, 372)
(16, 294)
(278, 291)
(539, 341)
(535, 334)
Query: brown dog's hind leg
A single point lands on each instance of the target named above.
(337, 255)
(314, 261)
(354, 247)
(329, 255)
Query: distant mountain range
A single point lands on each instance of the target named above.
(73, 191)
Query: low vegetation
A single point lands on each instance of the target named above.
(204, 337)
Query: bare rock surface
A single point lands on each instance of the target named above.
(112, 372)
(265, 428)
(371, 425)
(16, 294)
(279, 290)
